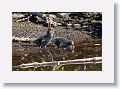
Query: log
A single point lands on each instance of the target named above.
(93, 60)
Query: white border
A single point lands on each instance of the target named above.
(104, 76)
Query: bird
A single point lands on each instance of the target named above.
(62, 42)
(42, 41)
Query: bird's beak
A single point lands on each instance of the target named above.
(72, 46)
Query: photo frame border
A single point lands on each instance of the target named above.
(104, 76)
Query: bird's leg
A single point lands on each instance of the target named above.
(40, 50)
(45, 47)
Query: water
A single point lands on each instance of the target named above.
(29, 54)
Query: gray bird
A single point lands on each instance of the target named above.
(61, 42)
(44, 40)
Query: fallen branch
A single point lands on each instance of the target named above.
(67, 62)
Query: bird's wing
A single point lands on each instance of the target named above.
(61, 44)
(40, 40)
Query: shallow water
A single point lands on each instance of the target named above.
(29, 54)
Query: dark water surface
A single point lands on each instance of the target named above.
(27, 53)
